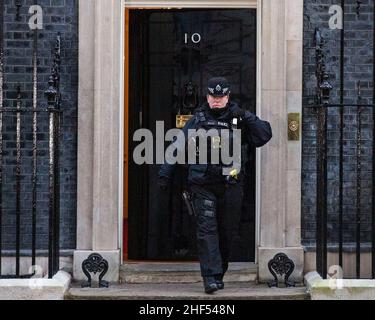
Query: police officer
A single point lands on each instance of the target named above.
(217, 199)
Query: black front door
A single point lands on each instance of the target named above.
(172, 54)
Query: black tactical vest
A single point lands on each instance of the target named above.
(211, 173)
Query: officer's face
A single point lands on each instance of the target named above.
(217, 102)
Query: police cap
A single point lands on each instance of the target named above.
(218, 87)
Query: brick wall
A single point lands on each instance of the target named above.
(358, 63)
(58, 16)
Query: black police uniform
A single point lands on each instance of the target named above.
(217, 199)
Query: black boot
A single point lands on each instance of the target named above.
(219, 282)
(210, 285)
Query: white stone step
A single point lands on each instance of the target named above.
(181, 272)
(187, 291)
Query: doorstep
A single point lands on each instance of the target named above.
(181, 272)
(187, 291)
(182, 281)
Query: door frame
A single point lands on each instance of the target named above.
(168, 4)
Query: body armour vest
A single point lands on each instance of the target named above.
(218, 142)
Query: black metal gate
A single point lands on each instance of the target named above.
(352, 211)
(39, 117)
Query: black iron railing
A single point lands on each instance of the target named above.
(50, 115)
(324, 110)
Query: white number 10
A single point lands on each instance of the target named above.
(195, 38)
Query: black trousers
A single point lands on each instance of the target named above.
(217, 217)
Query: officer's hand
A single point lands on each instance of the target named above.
(164, 183)
(237, 111)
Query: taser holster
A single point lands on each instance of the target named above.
(188, 199)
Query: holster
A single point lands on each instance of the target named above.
(188, 199)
